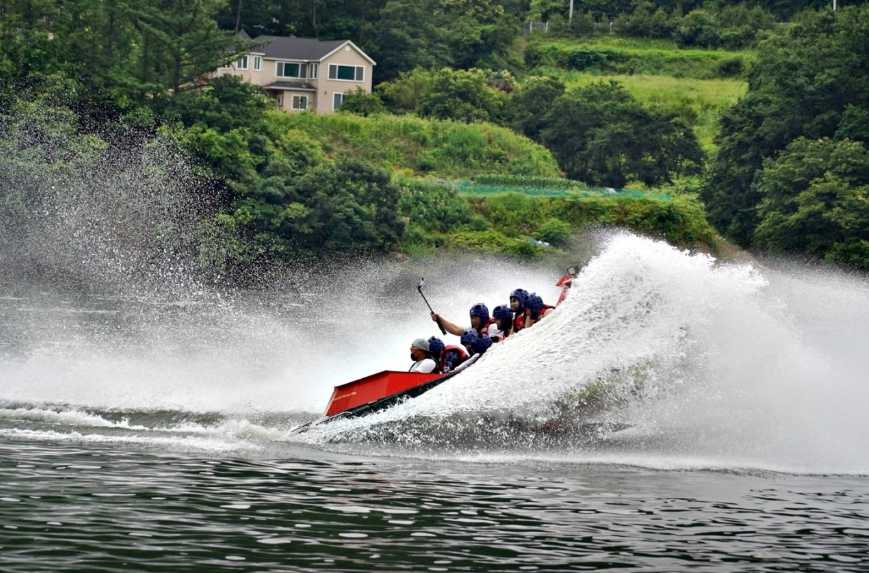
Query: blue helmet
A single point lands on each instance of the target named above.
(535, 305)
(480, 310)
(469, 337)
(521, 295)
(435, 346)
(475, 343)
(481, 344)
(502, 312)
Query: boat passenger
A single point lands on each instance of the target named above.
(475, 343)
(480, 321)
(448, 357)
(503, 321)
(565, 283)
(535, 310)
(517, 304)
(419, 353)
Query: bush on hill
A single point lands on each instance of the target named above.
(815, 201)
(417, 145)
(809, 81)
(603, 136)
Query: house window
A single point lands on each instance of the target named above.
(337, 101)
(280, 99)
(346, 73)
(315, 71)
(257, 63)
(289, 70)
(300, 103)
(241, 63)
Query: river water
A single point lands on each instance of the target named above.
(673, 414)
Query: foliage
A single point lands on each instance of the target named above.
(433, 207)
(614, 55)
(362, 103)
(701, 102)
(647, 21)
(602, 135)
(554, 231)
(527, 107)
(809, 81)
(405, 93)
(463, 95)
(815, 200)
(127, 53)
(417, 145)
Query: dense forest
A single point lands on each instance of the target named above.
(785, 169)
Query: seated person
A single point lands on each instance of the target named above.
(535, 309)
(422, 361)
(565, 282)
(503, 323)
(474, 343)
(448, 357)
(518, 298)
(480, 321)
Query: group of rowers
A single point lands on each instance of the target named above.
(524, 311)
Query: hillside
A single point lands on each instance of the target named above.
(697, 84)
(415, 146)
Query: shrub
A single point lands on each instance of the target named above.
(698, 28)
(554, 231)
(815, 200)
(730, 67)
(463, 95)
(646, 21)
(362, 103)
(602, 135)
(434, 207)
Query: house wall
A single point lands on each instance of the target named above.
(287, 100)
(326, 87)
(321, 101)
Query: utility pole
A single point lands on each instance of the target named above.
(570, 13)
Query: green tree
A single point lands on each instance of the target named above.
(806, 79)
(602, 135)
(815, 201)
(362, 103)
(527, 107)
(463, 95)
(348, 206)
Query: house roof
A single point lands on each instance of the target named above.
(306, 49)
(289, 85)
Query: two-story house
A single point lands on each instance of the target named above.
(304, 74)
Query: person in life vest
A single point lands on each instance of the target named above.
(480, 321)
(503, 321)
(565, 282)
(535, 309)
(422, 361)
(448, 357)
(475, 343)
(517, 304)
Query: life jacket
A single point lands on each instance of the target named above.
(545, 310)
(519, 322)
(485, 328)
(452, 356)
(564, 280)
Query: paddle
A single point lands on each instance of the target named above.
(419, 288)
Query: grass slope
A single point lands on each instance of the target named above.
(612, 54)
(411, 145)
(702, 100)
(697, 84)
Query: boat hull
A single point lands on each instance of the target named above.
(376, 387)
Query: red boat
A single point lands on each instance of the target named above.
(376, 392)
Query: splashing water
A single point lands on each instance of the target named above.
(712, 364)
